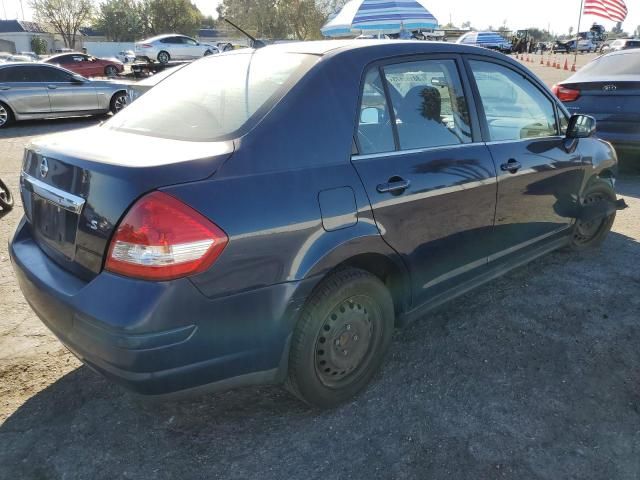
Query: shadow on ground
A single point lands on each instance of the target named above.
(42, 127)
(534, 376)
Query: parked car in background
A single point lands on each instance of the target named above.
(126, 56)
(173, 47)
(87, 65)
(621, 44)
(137, 89)
(20, 58)
(38, 90)
(608, 88)
(4, 56)
(33, 55)
(63, 50)
(187, 256)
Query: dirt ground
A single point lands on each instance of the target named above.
(536, 375)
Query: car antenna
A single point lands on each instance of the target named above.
(255, 43)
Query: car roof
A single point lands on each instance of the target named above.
(64, 54)
(635, 51)
(164, 35)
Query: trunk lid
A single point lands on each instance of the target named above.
(76, 186)
(614, 104)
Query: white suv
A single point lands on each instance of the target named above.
(173, 47)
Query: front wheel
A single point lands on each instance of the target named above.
(207, 53)
(340, 339)
(118, 102)
(6, 199)
(591, 231)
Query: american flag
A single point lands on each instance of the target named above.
(615, 10)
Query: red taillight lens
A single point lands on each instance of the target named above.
(565, 94)
(161, 238)
(146, 45)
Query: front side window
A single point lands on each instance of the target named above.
(515, 109)
(49, 74)
(189, 41)
(212, 98)
(429, 104)
(375, 134)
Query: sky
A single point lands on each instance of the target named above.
(558, 15)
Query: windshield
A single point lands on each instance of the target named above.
(608, 65)
(213, 97)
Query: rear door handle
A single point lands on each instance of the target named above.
(4, 87)
(512, 166)
(52, 87)
(395, 186)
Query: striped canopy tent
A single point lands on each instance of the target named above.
(483, 39)
(379, 17)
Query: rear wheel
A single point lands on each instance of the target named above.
(207, 53)
(6, 199)
(340, 339)
(118, 102)
(6, 115)
(591, 233)
(110, 71)
(164, 57)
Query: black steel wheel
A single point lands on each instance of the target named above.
(340, 340)
(591, 233)
(6, 199)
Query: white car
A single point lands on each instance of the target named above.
(126, 56)
(173, 47)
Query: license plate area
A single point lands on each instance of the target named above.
(54, 225)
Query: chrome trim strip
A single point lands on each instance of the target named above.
(457, 271)
(518, 140)
(396, 153)
(54, 195)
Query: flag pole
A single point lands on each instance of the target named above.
(575, 57)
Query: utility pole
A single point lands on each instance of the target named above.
(575, 57)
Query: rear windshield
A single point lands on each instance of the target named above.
(214, 97)
(618, 64)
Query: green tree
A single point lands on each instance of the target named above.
(64, 16)
(38, 45)
(120, 20)
(170, 16)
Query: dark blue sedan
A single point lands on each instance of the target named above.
(608, 88)
(271, 216)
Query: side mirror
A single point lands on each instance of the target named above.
(369, 115)
(581, 126)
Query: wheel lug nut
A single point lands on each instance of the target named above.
(337, 342)
(348, 326)
(355, 338)
(345, 353)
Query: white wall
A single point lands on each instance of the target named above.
(106, 49)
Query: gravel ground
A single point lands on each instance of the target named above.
(534, 376)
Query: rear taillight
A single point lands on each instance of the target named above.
(161, 238)
(565, 94)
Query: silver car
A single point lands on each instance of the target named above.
(38, 90)
(173, 47)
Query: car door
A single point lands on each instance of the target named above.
(430, 179)
(538, 178)
(21, 88)
(177, 48)
(66, 93)
(191, 48)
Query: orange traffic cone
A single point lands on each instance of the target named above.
(558, 66)
(566, 64)
(548, 61)
(541, 59)
(573, 68)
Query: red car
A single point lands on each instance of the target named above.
(86, 65)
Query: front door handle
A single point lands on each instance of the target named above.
(52, 87)
(394, 185)
(512, 166)
(4, 87)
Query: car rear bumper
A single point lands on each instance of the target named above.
(160, 337)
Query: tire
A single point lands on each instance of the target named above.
(6, 115)
(164, 57)
(207, 53)
(118, 102)
(6, 199)
(110, 71)
(340, 339)
(587, 235)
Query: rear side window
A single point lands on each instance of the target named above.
(375, 134)
(429, 104)
(214, 97)
(21, 74)
(49, 74)
(514, 107)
